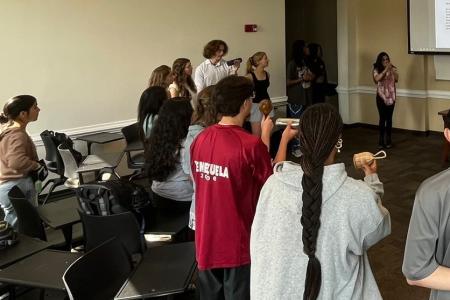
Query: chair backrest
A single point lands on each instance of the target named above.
(131, 133)
(70, 164)
(124, 227)
(53, 159)
(98, 274)
(28, 219)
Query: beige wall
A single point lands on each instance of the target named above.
(88, 61)
(382, 26)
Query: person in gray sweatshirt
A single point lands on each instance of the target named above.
(314, 224)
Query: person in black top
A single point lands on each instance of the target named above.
(256, 65)
(317, 67)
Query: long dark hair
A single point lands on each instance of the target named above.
(181, 78)
(14, 106)
(149, 104)
(378, 65)
(320, 129)
(162, 151)
(297, 52)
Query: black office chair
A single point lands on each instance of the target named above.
(54, 164)
(135, 161)
(30, 223)
(123, 226)
(100, 273)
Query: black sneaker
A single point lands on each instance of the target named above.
(389, 146)
(380, 146)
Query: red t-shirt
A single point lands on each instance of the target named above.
(229, 167)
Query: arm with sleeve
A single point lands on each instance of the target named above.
(16, 157)
(420, 266)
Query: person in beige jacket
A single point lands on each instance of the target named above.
(18, 155)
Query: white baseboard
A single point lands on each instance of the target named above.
(414, 94)
(89, 129)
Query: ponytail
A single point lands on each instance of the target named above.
(320, 128)
(249, 68)
(3, 118)
(253, 61)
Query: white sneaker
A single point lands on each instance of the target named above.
(297, 153)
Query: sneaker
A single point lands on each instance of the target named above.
(389, 146)
(380, 146)
(297, 153)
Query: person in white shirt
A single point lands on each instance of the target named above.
(214, 68)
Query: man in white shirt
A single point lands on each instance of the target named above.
(214, 68)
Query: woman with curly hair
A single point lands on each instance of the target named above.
(182, 85)
(204, 115)
(163, 155)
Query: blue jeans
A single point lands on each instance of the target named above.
(294, 111)
(26, 185)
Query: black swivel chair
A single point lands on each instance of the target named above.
(54, 164)
(123, 226)
(134, 149)
(98, 274)
(30, 223)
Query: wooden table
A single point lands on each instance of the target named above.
(164, 270)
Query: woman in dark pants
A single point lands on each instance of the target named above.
(385, 75)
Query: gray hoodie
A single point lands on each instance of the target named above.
(352, 220)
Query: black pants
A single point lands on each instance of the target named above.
(385, 124)
(225, 284)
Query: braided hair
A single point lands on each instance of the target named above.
(320, 129)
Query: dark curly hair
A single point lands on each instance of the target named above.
(162, 153)
(212, 47)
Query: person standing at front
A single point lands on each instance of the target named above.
(229, 167)
(214, 68)
(385, 75)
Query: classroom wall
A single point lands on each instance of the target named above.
(88, 61)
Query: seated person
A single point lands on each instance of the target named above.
(18, 157)
(317, 208)
(170, 186)
(427, 252)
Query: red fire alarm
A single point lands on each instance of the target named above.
(250, 28)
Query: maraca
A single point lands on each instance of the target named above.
(366, 158)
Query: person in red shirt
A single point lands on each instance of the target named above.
(229, 167)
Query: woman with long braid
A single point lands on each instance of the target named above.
(314, 224)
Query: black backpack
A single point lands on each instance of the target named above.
(112, 197)
(60, 138)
